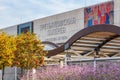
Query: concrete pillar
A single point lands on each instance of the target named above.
(0, 74)
(61, 63)
(33, 74)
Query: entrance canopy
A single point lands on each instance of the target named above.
(95, 41)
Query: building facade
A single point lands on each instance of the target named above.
(60, 27)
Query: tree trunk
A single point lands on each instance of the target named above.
(3, 72)
(21, 72)
(28, 73)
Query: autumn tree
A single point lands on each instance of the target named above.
(29, 53)
(7, 48)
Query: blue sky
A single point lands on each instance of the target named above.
(14, 12)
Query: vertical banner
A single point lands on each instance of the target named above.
(23, 28)
(99, 14)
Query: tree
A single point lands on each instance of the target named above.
(29, 53)
(7, 48)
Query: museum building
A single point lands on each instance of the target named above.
(82, 34)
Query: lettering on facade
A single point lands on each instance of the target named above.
(56, 31)
(57, 28)
(57, 24)
(57, 38)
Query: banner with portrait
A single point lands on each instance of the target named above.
(99, 14)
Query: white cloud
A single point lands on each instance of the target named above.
(2, 8)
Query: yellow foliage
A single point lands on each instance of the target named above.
(7, 48)
(29, 51)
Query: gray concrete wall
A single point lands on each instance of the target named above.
(10, 30)
(9, 73)
(68, 24)
(117, 12)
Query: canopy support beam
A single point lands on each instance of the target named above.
(97, 49)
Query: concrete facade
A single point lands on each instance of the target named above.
(10, 30)
(117, 12)
(59, 28)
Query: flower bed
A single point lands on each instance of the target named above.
(106, 71)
